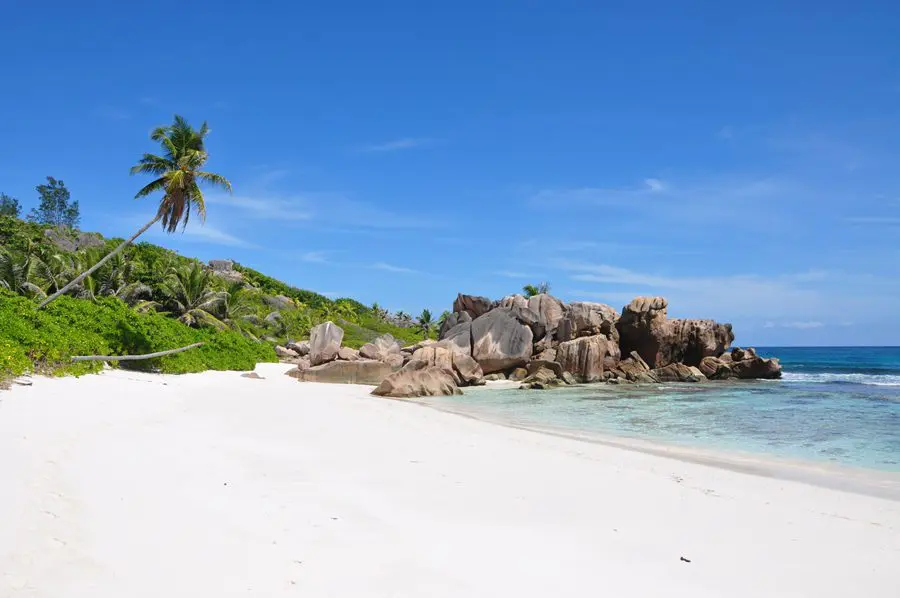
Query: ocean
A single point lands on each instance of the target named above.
(836, 405)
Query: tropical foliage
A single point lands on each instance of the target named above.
(9, 206)
(55, 206)
(530, 290)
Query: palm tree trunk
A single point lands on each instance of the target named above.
(77, 280)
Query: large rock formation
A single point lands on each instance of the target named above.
(584, 318)
(549, 309)
(382, 348)
(363, 371)
(586, 357)
(417, 379)
(460, 337)
(324, 342)
(643, 327)
(462, 367)
(472, 305)
(678, 372)
(500, 341)
(453, 320)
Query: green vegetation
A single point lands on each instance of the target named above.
(530, 290)
(120, 298)
(45, 340)
(179, 175)
(56, 207)
(9, 206)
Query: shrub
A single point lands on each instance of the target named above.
(44, 341)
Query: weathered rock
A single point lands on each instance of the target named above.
(363, 371)
(530, 318)
(757, 367)
(381, 348)
(500, 341)
(413, 348)
(543, 375)
(252, 376)
(460, 337)
(631, 367)
(739, 354)
(689, 341)
(300, 347)
(417, 379)
(452, 321)
(549, 309)
(518, 374)
(678, 372)
(285, 353)
(273, 318)
(348, 354)
(548, 355)
(715, 368)
(553, 366)
(645, 378)
(584, 318)
(586, 357)
(473, 305)
(225, 269)
(324, 342)
(71, 241)
(462, 367)
(495, 377)
(644, 328)
(512, 301)
(279, 302)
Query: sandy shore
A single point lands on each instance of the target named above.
(126, 484)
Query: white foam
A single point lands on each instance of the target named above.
(824, 377)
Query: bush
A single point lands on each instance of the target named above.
(44, 341)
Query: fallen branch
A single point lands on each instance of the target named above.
(133, 357)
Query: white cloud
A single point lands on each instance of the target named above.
(325, 207)
(803, 325)
(314, 257)
(266, 208)
(393, 268)
(396, 144)
(213, 236)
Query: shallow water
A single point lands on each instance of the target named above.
(835, 405)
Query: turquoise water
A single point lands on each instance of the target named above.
(835, 405)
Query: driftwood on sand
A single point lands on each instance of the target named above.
(133, 357)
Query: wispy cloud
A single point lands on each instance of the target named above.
(654, 185)
(332, 208)
(314, 257)
(214, 236)
(392, 268)
(798, 325)
(396, 144)
(265, 208)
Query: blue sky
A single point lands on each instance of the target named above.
(742, 161)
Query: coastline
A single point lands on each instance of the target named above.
(833, 476)
(135, 484)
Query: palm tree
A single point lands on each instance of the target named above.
(18, 273)
(443, 319)
(425, 323)
(236, 309)
(403, 319)
(531, 290)
(178, 177)
(190, 296)
(379, 312)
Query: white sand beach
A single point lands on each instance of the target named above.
(126, 484)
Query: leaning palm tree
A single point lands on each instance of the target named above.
(425, 323)
(191, 298)
(178, 177)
